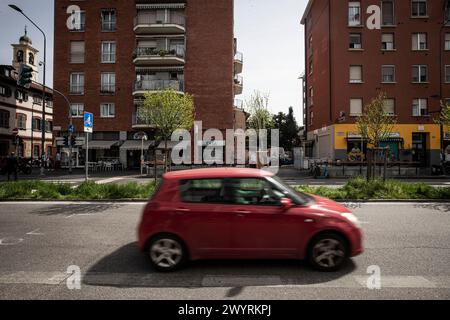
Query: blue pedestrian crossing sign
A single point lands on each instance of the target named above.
(88, 122)
(71, 128)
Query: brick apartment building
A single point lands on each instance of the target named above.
(118, 50)
(347, 65)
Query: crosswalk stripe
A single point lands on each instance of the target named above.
(223, 281)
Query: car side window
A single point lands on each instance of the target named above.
(253, 191)
(202, 190)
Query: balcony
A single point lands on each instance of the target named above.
(238, 84)
(238, 62)
(239, 104)
(150, 25)
(174, 55)
(140, 122)
(143, 86)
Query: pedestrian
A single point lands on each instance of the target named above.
(58, 161)
(12, 166)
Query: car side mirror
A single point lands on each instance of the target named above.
(286, 204)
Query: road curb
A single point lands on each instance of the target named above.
(145, 200)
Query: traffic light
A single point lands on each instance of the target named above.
(73, 141)
(25, 76)
(66, 141)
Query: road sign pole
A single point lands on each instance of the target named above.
(87, 157)
(70, 152)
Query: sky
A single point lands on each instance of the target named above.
(269, 35)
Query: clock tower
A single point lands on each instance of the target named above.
(24, 53)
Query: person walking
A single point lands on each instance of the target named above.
(12, 166)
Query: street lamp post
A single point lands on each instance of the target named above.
(16, 8)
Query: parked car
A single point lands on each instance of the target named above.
(234, 213)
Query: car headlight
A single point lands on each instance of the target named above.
(352, 218)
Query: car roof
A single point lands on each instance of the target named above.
(217, 173)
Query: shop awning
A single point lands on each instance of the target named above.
(101, 144)
(136, 145)
(170, 144)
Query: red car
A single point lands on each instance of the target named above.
(230, 213)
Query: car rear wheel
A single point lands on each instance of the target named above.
(328, 252)
(167, 253)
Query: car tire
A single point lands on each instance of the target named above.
(166, 253)
(328, 252)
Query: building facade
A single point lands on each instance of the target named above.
(21, 108)
(348, 63)
(107, 57)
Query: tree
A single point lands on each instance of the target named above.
(258, 108)
(168, 111)
(444, 116)
(260, 117)
(375, 125)
(288, 129)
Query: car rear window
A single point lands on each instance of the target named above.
(202, 190)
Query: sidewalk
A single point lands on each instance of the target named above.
(289, 174)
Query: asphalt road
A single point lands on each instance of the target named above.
(39, 241)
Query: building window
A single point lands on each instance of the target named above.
(311, 118)
(447, 74)
(107, 110)
(355, 41)
(78, 20)
(4, 119)
(77, 52)
(389, 106)
(21, 121)
(311, 66)
(355, 74)
(109, 20)
(21, 95)
(77, 110)
(420, 74)
(37, 100)
(31, 58)
(311, 96)
(37, 124)
(5, 91)
(447, 41)
(419, 8)
(419, 41)
(447, 13)
(48, 126)
(19, 56)
(48, 103)
(387, 41)
(420, 107)
(310, 45)
(36, 151)
(388, 74)
(354, 13)
(108, 84)
(387, 9)
(356, 107)
(77, 83)
(108, 52)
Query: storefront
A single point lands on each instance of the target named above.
(133, 150)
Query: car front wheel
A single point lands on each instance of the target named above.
(328, 252)
(167, 253)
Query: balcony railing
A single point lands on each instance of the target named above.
(146, 20)
(239, 104)
(158, 85)
(238, 80)
(141, 121)
(177, 51)
(239, 57)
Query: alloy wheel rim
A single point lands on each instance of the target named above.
(328, 253)
(166, 253)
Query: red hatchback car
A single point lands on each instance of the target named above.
(230, 213)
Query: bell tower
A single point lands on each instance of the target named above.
(24, 53)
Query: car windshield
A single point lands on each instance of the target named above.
(297, 197)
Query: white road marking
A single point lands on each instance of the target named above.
(10, 241)
(35, 233)
(223, 281)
